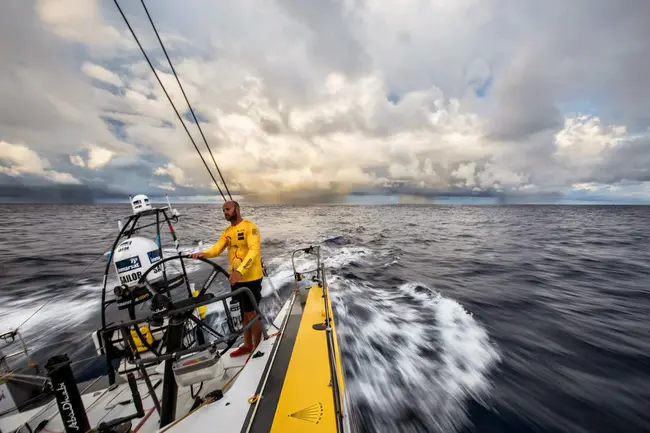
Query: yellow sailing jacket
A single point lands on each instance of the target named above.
(243, 242)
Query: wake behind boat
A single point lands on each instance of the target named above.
(168, 363)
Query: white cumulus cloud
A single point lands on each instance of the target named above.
(101, 73)
(97, 158)
(18, 160)
(171, 170)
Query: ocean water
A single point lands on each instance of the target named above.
(450, 318)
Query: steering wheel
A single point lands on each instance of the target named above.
(216, 270)
(160, 291)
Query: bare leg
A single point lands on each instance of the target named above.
(256, 330)
(247, 333)
(253, 333)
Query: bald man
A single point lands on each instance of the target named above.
(242, 238)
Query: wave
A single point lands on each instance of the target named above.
(413, 359)
(73, 307)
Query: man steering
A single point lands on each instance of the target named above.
(242, 238)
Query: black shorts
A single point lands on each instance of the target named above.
(254, 286)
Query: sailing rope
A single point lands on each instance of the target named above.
(198, 125)
(172, 103)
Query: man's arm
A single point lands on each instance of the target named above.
(216, 249)
(253, 242)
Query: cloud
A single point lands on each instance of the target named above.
(48, 102)
(526, 102)
(174, 172)
(100, 73)
(97, 158)
(56, 193)
(80, 21)
(628, 161)
(77, 160)
(17, 160)
(167, 186)
(314, 103)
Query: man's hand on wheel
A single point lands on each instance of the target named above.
(198, 255)
(234, 277)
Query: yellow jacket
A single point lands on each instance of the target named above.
(243, 242)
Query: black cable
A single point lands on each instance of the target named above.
(185, 96)
(197, 392)
(168, 97)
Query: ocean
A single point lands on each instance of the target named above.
(450, 318)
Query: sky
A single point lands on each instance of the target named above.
(330, 101)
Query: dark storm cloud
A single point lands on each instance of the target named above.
(29, 63)
(586, 50)
(29, 189)
(526, 106)
(331, 40)
(629, 161)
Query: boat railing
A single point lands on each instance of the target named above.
(9, 338)
(318, 270)
(334, 368)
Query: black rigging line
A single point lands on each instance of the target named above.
(185, 96)
(170, 99)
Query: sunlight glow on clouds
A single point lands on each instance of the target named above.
(176, 173)
(97, 158)
(79, 21)
(316, 101)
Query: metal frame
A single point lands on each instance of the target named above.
(185, 310)
(180, 315)
(127, 231)
(315, 250)
(177, 317)
(12, 335)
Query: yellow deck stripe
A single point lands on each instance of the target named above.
(307, 403)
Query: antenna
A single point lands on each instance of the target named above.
(175, 213)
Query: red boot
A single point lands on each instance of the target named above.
(242, 350)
